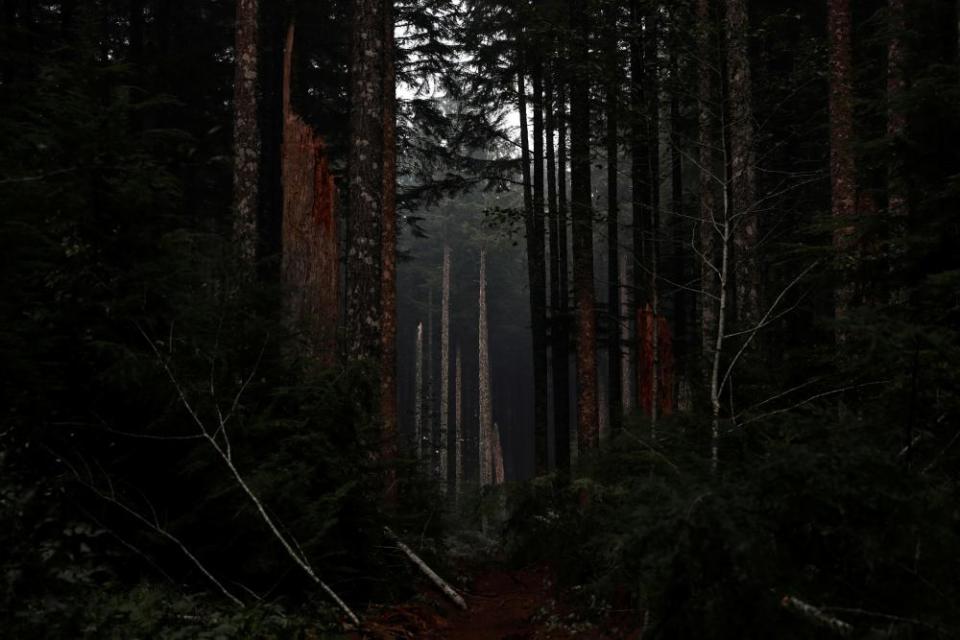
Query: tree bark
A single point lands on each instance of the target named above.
(418, 394)
(458, 428)
(561, 304)
(843, 171)
(310, 264)
(365, 179)
(651, 55)
(638, 184)
(246, 133)
(444, 372)
(388, 267)
(582, 212)
(486, 409)
(897, 204)
(742, 161)
(706, 143)
(538, 283)
(612, 90)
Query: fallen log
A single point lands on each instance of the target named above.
(449, 591)
(817, 615)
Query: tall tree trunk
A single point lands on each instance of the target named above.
(486, 409)
(246, 133)
(843, 171)
(707, 182)
(680, 226)
(580, 200)
(559, 377)
(640, 191)
(365, 180)
(612, 89)
(458, 428)
(310, 267)
(896, 113)
(429, 412)
(538, 282)
(651, 55)
(388, 248)
(626, 390)
(418, 394)
(742, 154)
(444, 371)
(561, 304)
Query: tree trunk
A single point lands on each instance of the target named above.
(429, 403)
(742, 176)
(707, 183)
(388, 248)
(680, 226)
(365, 179)
(580, 197)
(561, 304)
(538, 284)
(651, 54)
(843, 172)
(612, 80)
(896, 113)
(640, 192)
(560, 380)
(418, 394)
(246, 133)
(486, 409)
(444, 371)
(625, 361)
(458, 428)
(310, 265)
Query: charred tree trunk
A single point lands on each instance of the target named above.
(612, 90)
(742, 176)
(843, 171)
(582, 212)
(365, 180)
(561, 304)
(310, 265)
(246, 133)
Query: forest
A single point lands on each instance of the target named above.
(509, 319)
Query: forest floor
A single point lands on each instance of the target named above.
(502, 604)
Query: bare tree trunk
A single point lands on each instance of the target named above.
(538, 284)
(582, 211)
(720, 328)
(614, 381)
(418, 394)
(486, 409)
(680, 234)
(561, 304)
(310, 267)
(706, 144)
(625, 362)
(638, 164)
(896, 113)
(444, 371)
(429, 410)
(744, 218)
(843, 171)
(558, 369)
(365, 179)
(388, 249)
(652, 45)
(498, 470)
(246, 133)
(458, 428)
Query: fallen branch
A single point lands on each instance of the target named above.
(817, 615)
(427, 571)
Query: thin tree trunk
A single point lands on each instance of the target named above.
(561, 340)
(640, 191)
(744, 216)
(429, 410)
(680, 226)
(458, 428)
(310, 266)
(896, 114)
(444, 371)
(706, 144)
(559, 371)
(652, 45)
(625, 368)
(388, 248)
(246, 133)
(538, 284)
(612, 79)
(418, 394)
(582, 212)
(843, 171)
(365, 179)
(486, 409)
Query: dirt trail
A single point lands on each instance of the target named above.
(502, 605)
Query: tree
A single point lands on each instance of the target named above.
(706, 145)
(444, 448)
(560, 327)
(538, 283)
(612, 91)
(897, 204)
(582, 214)
(485, 436)
(246, 132)
(418, 391)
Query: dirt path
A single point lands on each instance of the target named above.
(502, 605)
